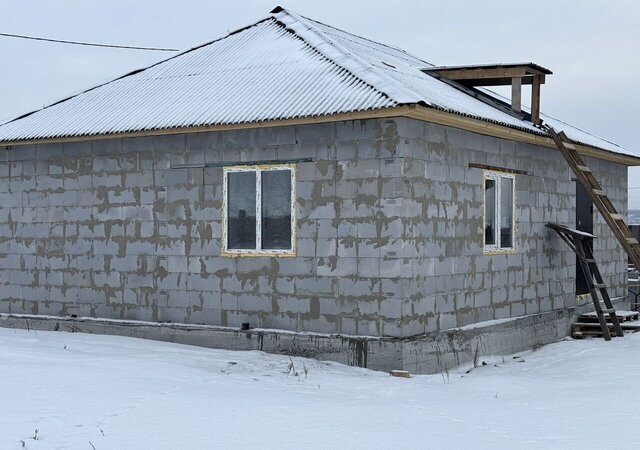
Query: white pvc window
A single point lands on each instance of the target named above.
(499, 196)
(259, 216)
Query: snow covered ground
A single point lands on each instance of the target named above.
(85, 391)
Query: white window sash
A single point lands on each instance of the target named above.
(496, 190)
(258, 210)
(258, 250)
(497, 211)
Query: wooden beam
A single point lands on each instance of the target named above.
(535, 100)
(499, 169)
(494, 81)
(397, 111)
(479, 73)
(516, 94)
(502, 132)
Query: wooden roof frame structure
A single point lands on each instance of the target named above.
(514, 74)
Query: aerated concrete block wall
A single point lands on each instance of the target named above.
(389, 230)
(106, 228)
(455, 282)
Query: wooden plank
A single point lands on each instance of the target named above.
(569, 146)
(516, 94)
(591, 180)
(621, 315)
(491, 81)
(535, 100)
(479, 74)
(593, 325)
(499, 169)
(478, 82)
(584, 169)
(400, 373)
(475, 73)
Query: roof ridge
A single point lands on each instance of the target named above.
(388, 49)
(342, 57)
(392, 47)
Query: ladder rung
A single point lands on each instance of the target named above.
(584, 168)
(599, 192)
(569, 145)
(632, 241)
(608, 311)
(598, 285)
(617, 217)
(590, 261)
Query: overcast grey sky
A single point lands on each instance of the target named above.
(591, 46)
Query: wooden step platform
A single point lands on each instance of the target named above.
(581, 330)
(623, 316)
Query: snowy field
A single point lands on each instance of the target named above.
(85, 391)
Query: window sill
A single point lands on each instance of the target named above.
(258, 254)
(499, 251)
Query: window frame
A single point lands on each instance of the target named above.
(497, 177)
(258, 250)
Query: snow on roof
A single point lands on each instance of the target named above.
(281, 67)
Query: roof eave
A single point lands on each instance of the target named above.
(395, 111)
(419, 112)
(504, 131)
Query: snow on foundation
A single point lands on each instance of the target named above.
(118, 392)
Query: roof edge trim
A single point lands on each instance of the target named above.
(418, 112)
(476, 125)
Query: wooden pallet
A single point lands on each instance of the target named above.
(581, 330)
(623, 316)
(588, 324)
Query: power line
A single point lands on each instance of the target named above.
(89, 44)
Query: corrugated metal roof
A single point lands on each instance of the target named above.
(281, 67)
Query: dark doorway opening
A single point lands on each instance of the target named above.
(584, 222)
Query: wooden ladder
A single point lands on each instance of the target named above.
(580, 243)
(609, 213)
